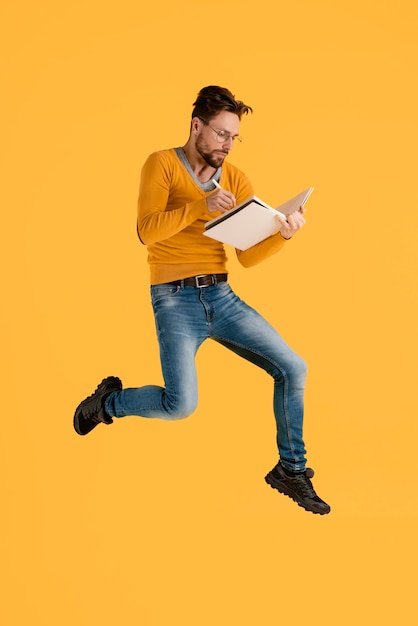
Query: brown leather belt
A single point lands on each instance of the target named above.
(203, 280)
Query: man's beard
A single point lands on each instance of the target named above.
(214, 158)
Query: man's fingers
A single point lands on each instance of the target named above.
(282, 218)
(228, 197)
(296, 220)
(221, 200)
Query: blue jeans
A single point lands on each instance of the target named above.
(185, 317)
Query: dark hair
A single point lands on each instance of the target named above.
(212, 100)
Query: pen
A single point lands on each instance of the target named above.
(216, 183)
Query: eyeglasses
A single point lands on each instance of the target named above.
(222, 136)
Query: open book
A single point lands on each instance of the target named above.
(252, 221)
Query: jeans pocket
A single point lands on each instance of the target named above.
(161, 292)
(224, 286)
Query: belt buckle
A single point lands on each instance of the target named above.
(196, 280)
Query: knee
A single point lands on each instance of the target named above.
(180, 409)
(302, 367)
(297, 370)
(294, 371)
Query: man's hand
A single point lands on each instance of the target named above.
(220, 201)
(294, 222)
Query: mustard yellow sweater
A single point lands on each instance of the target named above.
(172, 213)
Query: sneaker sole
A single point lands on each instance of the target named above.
(277, 484)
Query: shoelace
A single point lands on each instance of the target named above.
(305, 485)
(91, 410)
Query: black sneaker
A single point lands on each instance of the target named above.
(298, 487)
(90, 412)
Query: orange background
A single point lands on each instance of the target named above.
(155, 523)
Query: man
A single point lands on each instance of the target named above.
(192, 299)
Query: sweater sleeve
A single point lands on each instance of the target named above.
(261, 251)
(156, 222)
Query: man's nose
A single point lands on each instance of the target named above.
(228, 142)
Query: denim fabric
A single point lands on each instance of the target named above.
(185, 317)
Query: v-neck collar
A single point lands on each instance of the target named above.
(208, 186)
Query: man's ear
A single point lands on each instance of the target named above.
(195, 125)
